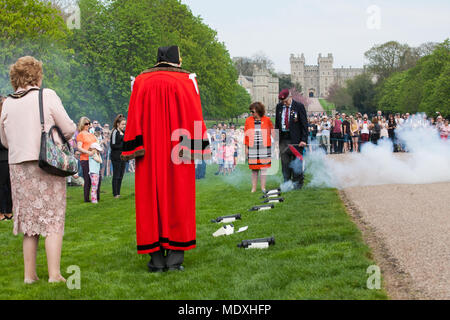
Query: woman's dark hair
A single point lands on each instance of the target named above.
(259, 108)
(118, 120)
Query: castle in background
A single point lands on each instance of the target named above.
(262, 87)
(317, 79)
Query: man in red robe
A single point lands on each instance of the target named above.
(165, 132)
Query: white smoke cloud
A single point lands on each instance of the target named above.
(427, 161)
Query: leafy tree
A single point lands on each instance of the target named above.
(286, 82)
(246, 65)
(340, 97)
(362, 90)
(423, 88)
(32, 28)
(391, 57)
(388, 94)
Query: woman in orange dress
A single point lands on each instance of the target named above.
(258, 143)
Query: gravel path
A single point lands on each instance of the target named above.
(413, 223)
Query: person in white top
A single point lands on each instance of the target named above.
(384, 130)
(365, 132)
(325, 138)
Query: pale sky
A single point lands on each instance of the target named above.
(345, 28)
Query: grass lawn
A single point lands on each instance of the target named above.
(318, 253)
(327, 106)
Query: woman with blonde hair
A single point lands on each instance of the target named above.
(354, 130)
(84, 141)
(39, 198)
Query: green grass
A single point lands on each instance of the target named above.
(327, 106)
(318, 253)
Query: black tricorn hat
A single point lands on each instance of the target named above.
(169, 55)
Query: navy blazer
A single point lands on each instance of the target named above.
(298, 121)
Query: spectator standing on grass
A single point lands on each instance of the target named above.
(354, 132)
(39, 198)
(375, 131)
(119, 165)
(319, 134)
(95, 162)
(221, 154)
(258, 142)
(84, 141)
(326, 127)
(312, 128)
(391, 126)
(229, 156)
(106, 145)
(5, 181)
(384, 134)
(365, 130)
(346, 133)
(445, 130)
(336, 134)
(439, 123)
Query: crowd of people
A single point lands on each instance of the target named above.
(341, 133)
(98, 150)
(347, 133)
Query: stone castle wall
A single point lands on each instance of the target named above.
(317, 79)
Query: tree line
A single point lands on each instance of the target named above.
(90, 67)
(399, 79)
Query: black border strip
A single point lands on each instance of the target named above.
(166, 241)
(133, 144)
(193, 143)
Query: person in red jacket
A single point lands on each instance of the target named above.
(258, 143)
(165, 134)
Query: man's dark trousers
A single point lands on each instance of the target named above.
(287, 159)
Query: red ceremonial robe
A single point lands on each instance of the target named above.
(165, 109)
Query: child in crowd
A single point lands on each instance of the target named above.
(95, 162)
(229, 156)
(221, 154)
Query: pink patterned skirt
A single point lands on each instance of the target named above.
(39, 200)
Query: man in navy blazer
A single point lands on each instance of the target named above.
(292, 124)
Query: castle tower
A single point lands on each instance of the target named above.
(326, 74)
(261, 86)
(274, 90)
(298, 70)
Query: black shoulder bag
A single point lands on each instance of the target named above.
(56, 159)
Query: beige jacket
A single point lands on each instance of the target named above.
(20, 125)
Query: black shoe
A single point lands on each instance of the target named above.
(176, 268)
(153, 269)
(298, 186)
(156, 270)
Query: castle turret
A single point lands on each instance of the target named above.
(298, 69)
(261, 79)
(326, 74)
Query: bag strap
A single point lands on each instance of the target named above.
(41, 108)
(21, 94)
